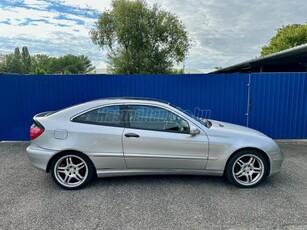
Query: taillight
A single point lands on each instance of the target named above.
(36, 131)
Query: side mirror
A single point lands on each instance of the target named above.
(194, 131)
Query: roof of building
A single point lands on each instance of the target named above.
(290, 60)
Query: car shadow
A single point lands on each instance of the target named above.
(155, 180)
(171, 181)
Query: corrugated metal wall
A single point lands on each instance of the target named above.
(278, 104)
(278, 101)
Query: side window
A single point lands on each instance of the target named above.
(155, 118)
(108, 116)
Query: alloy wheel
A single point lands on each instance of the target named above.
(71, 171)
(248, 169)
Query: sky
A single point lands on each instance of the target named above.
(224, 32)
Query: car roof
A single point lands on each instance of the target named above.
(131, 99)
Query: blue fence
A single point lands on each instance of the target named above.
(275, 104)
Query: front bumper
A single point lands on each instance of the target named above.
(39, 157)
(277, 159)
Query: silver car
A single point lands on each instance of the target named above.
(138, 136)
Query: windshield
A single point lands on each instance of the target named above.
(203, 121)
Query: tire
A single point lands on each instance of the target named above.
(72, 170)
(247, 169)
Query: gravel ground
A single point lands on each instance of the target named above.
(30, 200)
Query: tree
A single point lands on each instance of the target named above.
(16, 62)
(87, 64)
(16, 65)
(70, 64)
(8, 64)
(43, 64)
(1, 67)
(176, 71)
(39, 64)
(141, 39)
(26, 60)
(286, 37)
(39, 71)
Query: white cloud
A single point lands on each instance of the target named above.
(100, 5)
(20, 15)
(228, 32)
(37, 3)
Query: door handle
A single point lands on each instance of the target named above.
(132, 135)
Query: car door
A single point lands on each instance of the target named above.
(157, 138)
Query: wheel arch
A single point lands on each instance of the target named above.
(68, 151)
(264, 154)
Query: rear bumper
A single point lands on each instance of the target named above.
(39, 157)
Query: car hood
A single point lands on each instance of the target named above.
(224, 126)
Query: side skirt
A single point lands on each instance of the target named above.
(138, 172)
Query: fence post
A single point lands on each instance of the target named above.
(248, 100)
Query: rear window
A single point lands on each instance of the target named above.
(107, 116)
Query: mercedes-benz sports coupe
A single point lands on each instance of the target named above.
(130, 136)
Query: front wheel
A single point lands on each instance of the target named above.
(72, 170)
(247, 169)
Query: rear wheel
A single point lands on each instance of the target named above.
(247, 168)
(72, 170)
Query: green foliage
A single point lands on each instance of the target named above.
(286, 37)
(39, 63)
(70, 64)
(39, 71)
(17, 62)
(141, 39)
(12, 63)
(8, 63)
(1, 67)
(26, 60)
(66, 72)
(177, 71)
(43, 64)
